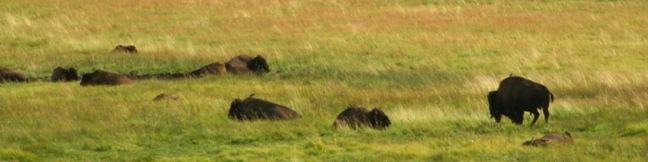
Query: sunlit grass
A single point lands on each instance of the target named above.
(428, 64)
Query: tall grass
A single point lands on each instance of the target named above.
(428, 64)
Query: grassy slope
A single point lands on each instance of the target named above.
(427, 63)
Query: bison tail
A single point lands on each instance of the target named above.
(551, 97)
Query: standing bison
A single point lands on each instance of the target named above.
(247, 64)
(62, 74)
(516, 95)
(359, 117)
(257, 109)
(8, 75)
(101, 77)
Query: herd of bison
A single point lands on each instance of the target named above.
(515, 95)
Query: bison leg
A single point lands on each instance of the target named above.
(545, 112)
(536, 114)
(517, 117)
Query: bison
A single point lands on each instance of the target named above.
(165, 76)
(213, 68)
(62, 74)
(516, 95)
(8, 75)
(216, 68)
(258, 109)
(358, 117)
(166, 96)
(247, 64)
(550, 138)
(125, 48)
(101, 77)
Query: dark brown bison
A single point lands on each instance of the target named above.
(62, 74)
(134, 75)
(516, 95)
(165, 76)
(258, 109)
(101, 77)
(359, 117)
(550, 138)
(216, 68)
(247, 64)
(125, 48)
(8, 75)
(166, 96)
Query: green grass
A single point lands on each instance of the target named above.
(427, 63)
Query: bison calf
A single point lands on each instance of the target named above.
(125, 48)
(516, 95)
(257, 109)
(8, 75)
(62, 74)
(550, 138)
(358, 117)
(101, 77)
(247, 64)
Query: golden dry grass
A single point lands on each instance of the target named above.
(428, 64)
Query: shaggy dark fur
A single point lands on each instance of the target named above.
(358, 117)
(550, 138)
(516, 95)
(257, 109)
(247, 64)
(216, 68)
(101, 77)
(163, 76)
(166, 96)
(62, 74)
(8, 75)
(125, 48)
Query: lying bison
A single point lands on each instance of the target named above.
(550, 138)
(247, 64)
(101, 77)
(358, 117)
(516, 95)
(257, 109)
(125, 48)
(216, 68)
(8, 75)
(163, 76)
(166, 96)
(63, 74)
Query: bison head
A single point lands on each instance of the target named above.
(378, 119)
(72, 74)
(259, 65)
(234, 109)
(86, 79)
(494, 107)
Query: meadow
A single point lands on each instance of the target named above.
(427, 63)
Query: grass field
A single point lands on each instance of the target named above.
(427, 63)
